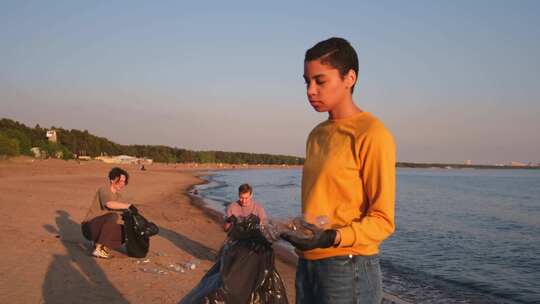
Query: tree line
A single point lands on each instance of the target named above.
(18, 139)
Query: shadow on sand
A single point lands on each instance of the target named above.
(192, 247)
(75, 277)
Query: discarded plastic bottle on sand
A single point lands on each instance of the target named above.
(152, 270)
(176, 267)
(192, 264)
(145, 261)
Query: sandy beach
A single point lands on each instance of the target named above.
(45, 258)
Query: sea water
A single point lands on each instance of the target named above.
(462, 235)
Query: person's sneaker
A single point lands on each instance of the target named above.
(101, 253)
(107, 250)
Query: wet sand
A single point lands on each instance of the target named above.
(45, 258)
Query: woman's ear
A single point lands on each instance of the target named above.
(350, 78)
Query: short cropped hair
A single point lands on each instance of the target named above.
(116, 173)
(245, 188)
(337, 53)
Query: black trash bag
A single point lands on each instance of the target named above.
(137, 233)
(244, 273)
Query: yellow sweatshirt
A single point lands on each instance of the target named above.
(350, 176)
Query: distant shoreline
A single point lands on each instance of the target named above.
(459, 166)
(225, 166)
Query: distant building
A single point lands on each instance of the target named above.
(51, 135)
(124, 159)
(36, 151)
(517, 164)
(468, 162)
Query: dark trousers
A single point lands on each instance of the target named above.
(104, 230)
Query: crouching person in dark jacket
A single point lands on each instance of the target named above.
(103, 224)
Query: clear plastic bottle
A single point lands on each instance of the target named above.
(322, 222)
(192, 264)
(152, 270)
(176, 268)
(145, 261)
(297, 226)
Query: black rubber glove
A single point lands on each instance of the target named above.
(231, 219)
(320, 239)
(133, 209)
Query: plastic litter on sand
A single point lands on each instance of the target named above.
(153, 270)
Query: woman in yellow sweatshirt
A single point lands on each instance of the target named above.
(349, 177)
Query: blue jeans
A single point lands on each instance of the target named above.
(339, 280)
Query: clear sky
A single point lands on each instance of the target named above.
(452, 80)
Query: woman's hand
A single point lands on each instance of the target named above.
(321, 238)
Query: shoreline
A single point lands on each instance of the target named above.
(281, 252)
